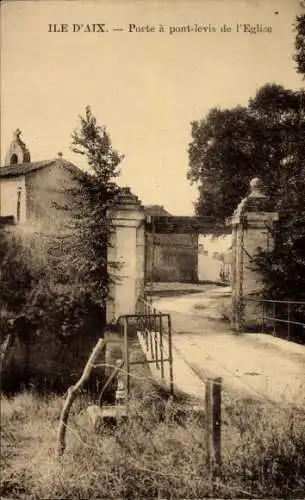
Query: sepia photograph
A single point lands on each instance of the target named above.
(152, 249)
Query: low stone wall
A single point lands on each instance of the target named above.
(172, 257)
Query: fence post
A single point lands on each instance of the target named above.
(213, 424)
(170, 355)
(126, 356)
(161, 346)
(155, 337)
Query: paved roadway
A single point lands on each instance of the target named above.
(255, 365)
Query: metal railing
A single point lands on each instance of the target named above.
(286, 311)
(154, 333)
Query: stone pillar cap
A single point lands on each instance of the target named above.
(256, 201)
(256, 187)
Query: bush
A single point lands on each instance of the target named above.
(54, 321)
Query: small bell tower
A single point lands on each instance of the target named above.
(17, 152)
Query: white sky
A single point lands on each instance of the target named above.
(145, 88)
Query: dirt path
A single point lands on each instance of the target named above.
(255, 365)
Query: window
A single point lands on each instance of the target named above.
(14, 159)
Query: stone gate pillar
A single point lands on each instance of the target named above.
(250, 234)
(127, 250)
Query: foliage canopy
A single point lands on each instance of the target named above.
(266, 140)
(300, 44)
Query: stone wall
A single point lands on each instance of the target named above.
(172, 257)
(45, 188)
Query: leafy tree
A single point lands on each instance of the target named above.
(283, 118)
(93, 193)
(223, 157)
(265, 139)
(300, 44)
(229, 147)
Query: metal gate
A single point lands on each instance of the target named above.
(153, 330)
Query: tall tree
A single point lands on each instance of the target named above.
(300, 44)
(92, 195)
(223, 156)
(266, 139)
(230, 146)
(282, 114)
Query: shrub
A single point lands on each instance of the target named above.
(54, 323)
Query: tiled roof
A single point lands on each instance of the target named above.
(26, 168)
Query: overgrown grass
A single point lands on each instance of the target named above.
(153, 454)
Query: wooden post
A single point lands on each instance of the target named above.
(155, 336)
(161, 346)
(126, 356)
(170, 355)
(213, 424)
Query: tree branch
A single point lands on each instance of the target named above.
(72, 393)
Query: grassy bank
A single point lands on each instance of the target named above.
(153, 454)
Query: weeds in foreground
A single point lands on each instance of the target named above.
(154, 454)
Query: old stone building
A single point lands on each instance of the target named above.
(30, 191)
